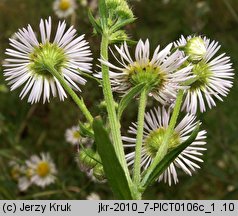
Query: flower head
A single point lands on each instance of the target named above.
(64, 8)
(195, 49)
(213, 74)
(161, 74)
(43, 170)
(30, 58)
(119, 9)
(156, 124)
(73, 135)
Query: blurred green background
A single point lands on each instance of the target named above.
(26, 129)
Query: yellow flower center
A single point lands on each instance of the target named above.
(64, 5)
(76, 135)
(43, 169)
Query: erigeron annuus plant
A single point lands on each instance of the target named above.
(182, 78)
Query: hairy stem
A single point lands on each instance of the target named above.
(112, 116)
(164, 146)
(74, 96)
(139, 137)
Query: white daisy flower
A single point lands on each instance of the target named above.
(64, 8)
(43, 169)
(214, 74)
(73, 136)
(66, 52)
(161, 73)
(156, 124)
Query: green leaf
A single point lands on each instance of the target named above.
(128, 97)
(167, 160)
(103, 12)
(94, 22)
(120, 41)
(86, 131)
(121, 24)
(111, 165)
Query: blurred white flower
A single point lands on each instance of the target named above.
(64, 8)
(72, 135)
(43, 170)
(24, 182)
(93, 196)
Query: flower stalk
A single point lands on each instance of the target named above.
(139, 137)
(164, 146)
(112, 116)
(80, 103)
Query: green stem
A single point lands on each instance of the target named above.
(139, 137)
(164, 146)
(112, 116)
(74, 96)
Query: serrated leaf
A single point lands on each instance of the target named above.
(168, 159)
(128, 97)
(111, 165)
(94, 22)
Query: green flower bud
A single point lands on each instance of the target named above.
(99, 173)
(119, 9)
(88, 158)
(118, 36)
(195, 49)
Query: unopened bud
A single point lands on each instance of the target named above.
(195, 49)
